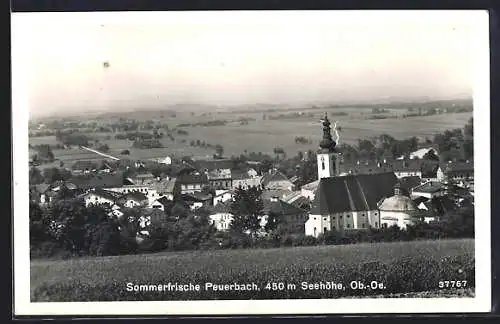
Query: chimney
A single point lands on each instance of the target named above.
(397, 189)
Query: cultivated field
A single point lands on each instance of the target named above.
(264, 135)
(403, 268)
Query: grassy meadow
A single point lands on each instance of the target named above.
(403, 268)
(261, 135)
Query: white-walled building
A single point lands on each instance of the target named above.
(222, 196)
(398, 210)
(221, 216)
(100, 197)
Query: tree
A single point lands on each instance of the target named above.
(35, 176)
(125, 152)
(219, 150)
(431, 155)
(273, 220)
(248, 209)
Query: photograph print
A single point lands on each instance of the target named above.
(251, 162)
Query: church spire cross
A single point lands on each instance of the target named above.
(327, 143)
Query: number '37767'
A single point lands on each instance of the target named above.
(453, 284)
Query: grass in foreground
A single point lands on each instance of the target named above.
(403, 267)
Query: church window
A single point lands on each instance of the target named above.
(315, 231)
(363, 225)
(348, 225)
(322, 165)
(348, 216)
(376, 224)
(324, 218)
(325, 229)
(314, 218)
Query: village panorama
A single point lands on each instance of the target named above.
(148, 202)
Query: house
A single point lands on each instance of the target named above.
(219, 178)
(221, 216)
(162, 203)
(398, 210)
(406, 168)
(420, 153)
(309, 190)
(98, 181)
(100, 197)
(293, 216)
(408, 183)
(167, 187)
(211, 165)
(151, 217)
(429, 189)
(167, 160)
(349, 202)
(364, 167)
(439, 206)
(190, 183)
(298, 200)
(84, 167)
(245, 180)
(116, 212)
(197, 200)
(269, 194)
(134, 199)
(222, 196)
(150, 192)
(275, 179)
(459, 170)
(142, 178)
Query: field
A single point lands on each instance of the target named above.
(399, 269)
(264, 135)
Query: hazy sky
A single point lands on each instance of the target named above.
(225, 60)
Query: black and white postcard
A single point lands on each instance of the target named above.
(260, 162)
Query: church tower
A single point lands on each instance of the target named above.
(328, 159)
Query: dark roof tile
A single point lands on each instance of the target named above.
(352, 192)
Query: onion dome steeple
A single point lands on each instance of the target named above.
(327, 144)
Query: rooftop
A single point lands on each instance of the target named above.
(429, 187)
(352, 193)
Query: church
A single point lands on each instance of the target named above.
(345, 202)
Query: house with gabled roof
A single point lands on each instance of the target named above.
(100, 197)
(84, 167)
(429, 189)
(194, 182)
(291, 215)
(458, 170)
(276, 180)
(134, 199)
